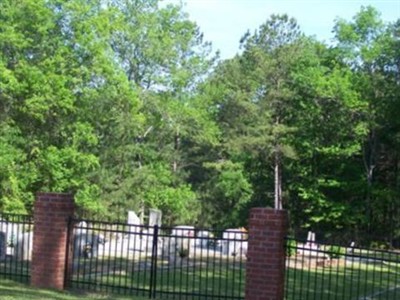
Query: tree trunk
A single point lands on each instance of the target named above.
(177, 144)
(278, 182)
(369, 163)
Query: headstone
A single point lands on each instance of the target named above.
(81, 227)
(311, 241)
(154, 219)
(311, 237)
(87, 245)
(169, 249)
(351, 249)
(203, 239)
(12, 232)
(179, 243)
(3, 238)
(155, 216)
(311, 249)
(234, 242)
(134, 220)
(23, 246)
(3, 246)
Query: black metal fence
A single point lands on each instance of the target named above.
(321, 271)
(16, 236)
(159, 262)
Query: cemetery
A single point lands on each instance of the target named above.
(201, 149)
(16, 240)
(132, 252)
(134, 238)
(162, 262)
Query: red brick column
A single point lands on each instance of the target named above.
(265, 268)
(50, 232)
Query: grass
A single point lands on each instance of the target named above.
(11, 290)
(346, 280)
(356, 274)
(374, 276)
(342, 281)
(205, 279)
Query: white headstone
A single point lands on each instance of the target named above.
(155, 216)
(133, 219)
(234, 242)
(177, 246)
(311, 240)
(311, 237)
(23, 246)
(81, 227)
(3, 246)
(12, 231)
(203, 238)
(3, 240)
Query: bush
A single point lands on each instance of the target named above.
(291, 247)
(335, 251)
(379, 245)
(183, 253)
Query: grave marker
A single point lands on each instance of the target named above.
(3, 246)
(134, 220)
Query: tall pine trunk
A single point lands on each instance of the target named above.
(278, 182)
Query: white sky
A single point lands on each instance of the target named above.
(224, 22)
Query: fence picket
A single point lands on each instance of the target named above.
(149, 261)
(16, 234)
(336, 272)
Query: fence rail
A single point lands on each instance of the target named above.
(16, 236)
(159, 262)
(322, 271)
(189, 263)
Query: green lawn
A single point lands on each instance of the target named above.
(202, 279)
(199, 279)
(11, 290)
(346, 279)
(372, 281)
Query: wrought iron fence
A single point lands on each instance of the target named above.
(16, 236)
(158, 262)
(322, 271)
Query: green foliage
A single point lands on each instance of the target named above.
(228, 185)
(87, 198)
(379, 245)
(122, 103)
(291, 247)
(335, 251)
(176, 200)
(75, 92)
(16, 174)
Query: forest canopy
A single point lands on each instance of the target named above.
(125, 105)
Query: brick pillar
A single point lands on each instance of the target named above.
(50, 233)
(265, 268)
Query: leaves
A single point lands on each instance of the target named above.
(124, 104)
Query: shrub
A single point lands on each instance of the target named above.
(335, 251)
(183, 253)
(379, 245)
(291, 247)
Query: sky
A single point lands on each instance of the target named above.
(224, 22)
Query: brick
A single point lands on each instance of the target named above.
(266, 254)
(51, 212)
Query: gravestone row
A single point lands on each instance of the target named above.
(14, 241)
